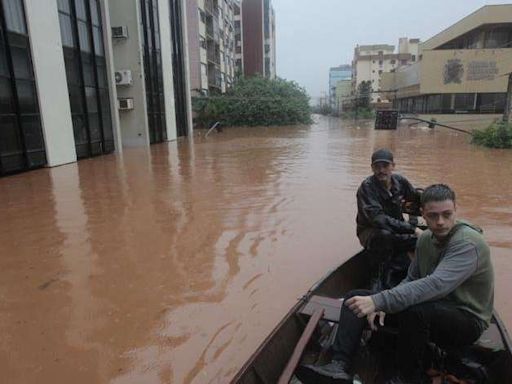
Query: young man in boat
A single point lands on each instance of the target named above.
(446, 298)
(381, 227)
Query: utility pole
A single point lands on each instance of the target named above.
(508, 103)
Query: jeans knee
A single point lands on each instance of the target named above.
(357, 292)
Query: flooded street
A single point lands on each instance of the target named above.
(171, 266)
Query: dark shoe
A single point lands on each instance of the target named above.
(335, 370)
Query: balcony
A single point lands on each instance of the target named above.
(214, 78)
(213, 53)
(212, 29)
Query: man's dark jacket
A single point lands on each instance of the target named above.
(382, 209)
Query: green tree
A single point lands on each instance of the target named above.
(256, 101)
(497, 135)
(364, 90)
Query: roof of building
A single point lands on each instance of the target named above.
(372, 47)
(488, 14)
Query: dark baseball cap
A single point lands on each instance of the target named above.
(382, 155)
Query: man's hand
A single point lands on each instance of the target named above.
(371, 319)
(361, 305)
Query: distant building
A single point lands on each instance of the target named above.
(211, 44)
(239, 39)
(371, 61)
(343, 95)
(462, 69)
(259, 38)
(342, 72)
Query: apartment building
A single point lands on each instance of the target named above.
(462, 69)
(211, 45)
(73, 87)
(371, 61)
(259, 38)
(336, 74)
(239, 39)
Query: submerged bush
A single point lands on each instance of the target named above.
(497, 135)
(361, 113)
(256, 101)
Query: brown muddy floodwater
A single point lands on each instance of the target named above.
(172, 265)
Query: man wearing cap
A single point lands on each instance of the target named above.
(381, 227)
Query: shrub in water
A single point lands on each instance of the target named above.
(256, 101)
(497, 135)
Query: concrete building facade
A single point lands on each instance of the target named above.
(259, 38)
(336, 74)
(463, 69)
(371, 61)
(72, 87)
(343, 94)
(211, 45)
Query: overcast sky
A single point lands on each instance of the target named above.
(314, 35)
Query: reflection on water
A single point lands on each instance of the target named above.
(171, 266)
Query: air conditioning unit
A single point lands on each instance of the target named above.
(125, 104)
(123, 77)
(120, 32)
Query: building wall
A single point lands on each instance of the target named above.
(194, 27)
(252, 21)
(50, 72)
(465, 71)
(489, 14)
(128, 55)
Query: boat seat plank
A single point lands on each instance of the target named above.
(301, 345)
(331, 307)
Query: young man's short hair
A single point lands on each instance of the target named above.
(437, 192)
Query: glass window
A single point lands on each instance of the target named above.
(66, 30)
(83, 35)
(10, 140)
(27, 97)
(75, 99)
(98, 42)
(4, 70)
(14, 16)
(81, 12)
(21, 63)
(92, 100)
(6, 99)
(64, 6)
(95, 14)
(32, 134)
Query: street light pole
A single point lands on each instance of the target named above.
(508, 103)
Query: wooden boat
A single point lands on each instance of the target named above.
(276, 359)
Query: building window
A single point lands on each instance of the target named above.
(86, 72)
(380, 71)
(413, 58)
(153, 72)
(381, 62)
(202, 16)
(21, 137)
(393, 61)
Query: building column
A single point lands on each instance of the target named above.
(50, 74)
(188, 95)
(112, 91)
(166, 52)
(128, 55)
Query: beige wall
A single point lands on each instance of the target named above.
(481, 70)
(489, 14)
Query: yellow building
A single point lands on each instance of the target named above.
(463, 69)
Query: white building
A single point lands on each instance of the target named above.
(211, 44)
(371, 61)
(59, 65)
